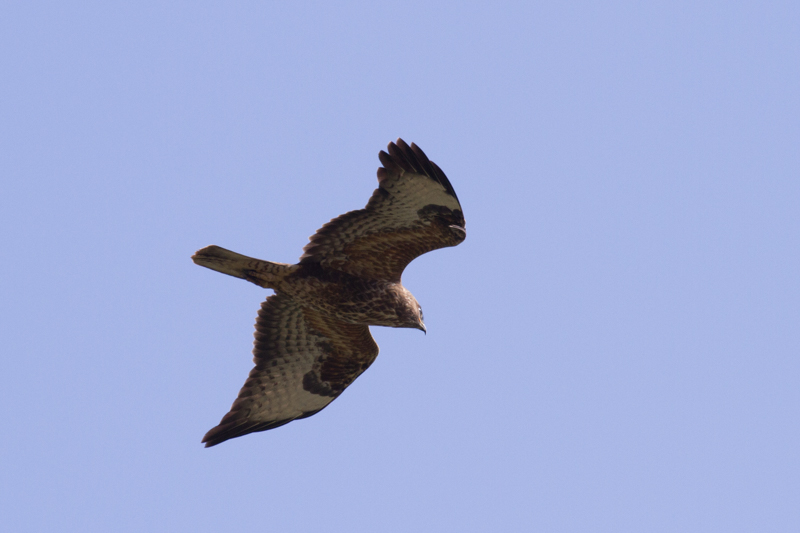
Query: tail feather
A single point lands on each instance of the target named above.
(258, 271)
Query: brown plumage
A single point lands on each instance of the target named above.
(312, 338)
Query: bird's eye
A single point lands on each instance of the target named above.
(421, 317)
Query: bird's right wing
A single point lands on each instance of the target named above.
(413, 211)
(303, 362)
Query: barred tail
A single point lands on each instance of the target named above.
(263, 273)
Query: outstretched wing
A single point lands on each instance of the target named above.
(303, 362)
(413, 211)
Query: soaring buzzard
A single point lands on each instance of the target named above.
(312, 335)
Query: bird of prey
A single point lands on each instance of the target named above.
(312, 336)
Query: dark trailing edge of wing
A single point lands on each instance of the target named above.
(412, 159)
(239, 428)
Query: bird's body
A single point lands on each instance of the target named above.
(312, 335)
(346, 297)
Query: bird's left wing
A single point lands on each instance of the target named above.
(303, 362)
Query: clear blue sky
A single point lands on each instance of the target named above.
(615, 347)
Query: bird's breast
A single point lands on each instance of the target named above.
(346, 297)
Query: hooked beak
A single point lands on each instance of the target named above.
(422, 327)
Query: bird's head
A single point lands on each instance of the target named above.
(420, 320)
(410, 312)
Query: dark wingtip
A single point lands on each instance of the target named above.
(232, 430)
(214, 436)
(401, 156)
